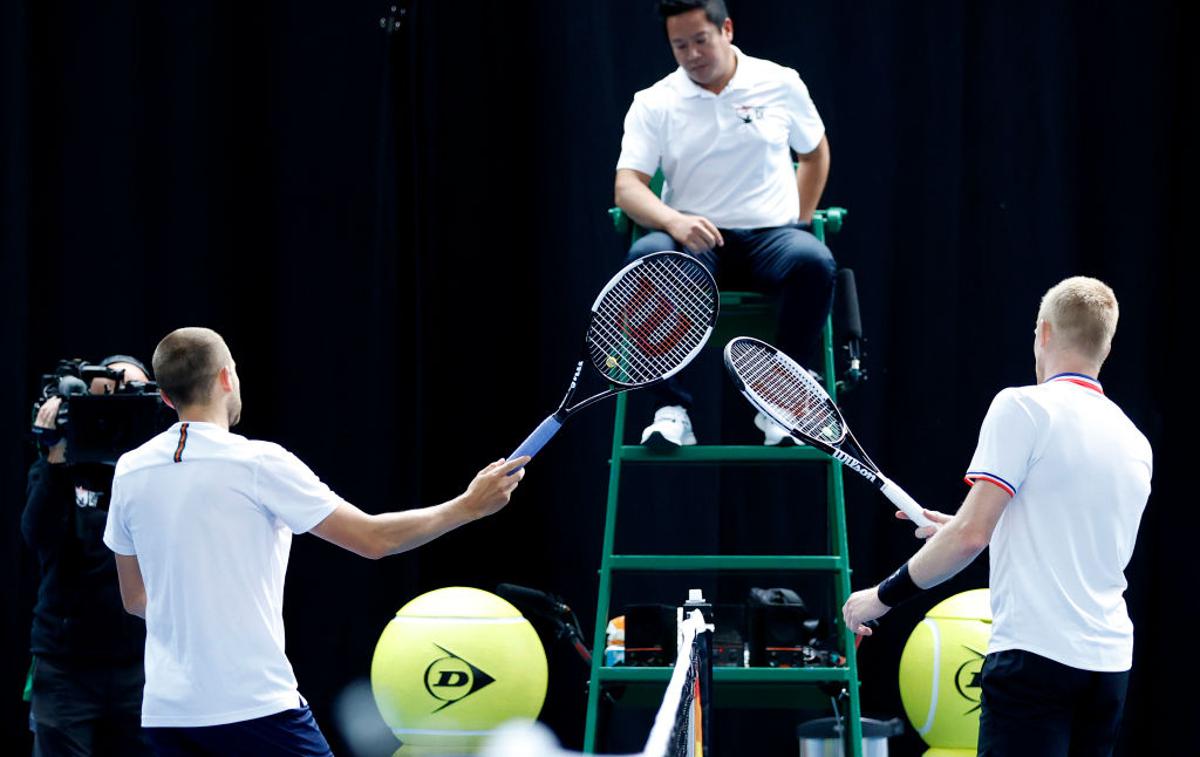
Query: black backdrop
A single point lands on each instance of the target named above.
(398, 235)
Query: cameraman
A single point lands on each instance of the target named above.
(87, 673)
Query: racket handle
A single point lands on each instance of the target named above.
(537, 439)
(900, 499)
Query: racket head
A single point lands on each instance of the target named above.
(782, 390)
(652, 319)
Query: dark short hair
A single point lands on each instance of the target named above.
(112, 359)
(715, 10)
(187, 361)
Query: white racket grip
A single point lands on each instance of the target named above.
(900, 499)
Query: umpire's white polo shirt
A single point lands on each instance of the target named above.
(725, 157)
(1079, 473)
(210, 516)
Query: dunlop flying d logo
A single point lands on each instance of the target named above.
(452, 679)
(968, 681)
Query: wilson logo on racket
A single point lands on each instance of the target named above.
(854, 465)
(452, 679)
(641, 325)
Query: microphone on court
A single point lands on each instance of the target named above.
(537, 602)
(552, 608)
(851, 320)
(850, 316)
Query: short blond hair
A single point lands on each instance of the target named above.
(1083, 312)
(187, 361)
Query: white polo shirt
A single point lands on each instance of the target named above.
(725, 157)
(1079, 474)
(210, 516)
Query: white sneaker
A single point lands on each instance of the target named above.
(774, 435)
(672, 428)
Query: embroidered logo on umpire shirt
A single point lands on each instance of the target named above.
(749, 113)
(85, 498)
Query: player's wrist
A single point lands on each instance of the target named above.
(898, 588)
(465, 508)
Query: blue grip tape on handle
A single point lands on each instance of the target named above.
(537, 439)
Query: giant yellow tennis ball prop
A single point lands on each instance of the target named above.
(453, 665)
(939, 670)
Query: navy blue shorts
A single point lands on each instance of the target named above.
(1036, 707)
(289, 732)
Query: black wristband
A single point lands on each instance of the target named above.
(898, 588)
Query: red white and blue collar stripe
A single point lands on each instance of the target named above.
(1078, 378)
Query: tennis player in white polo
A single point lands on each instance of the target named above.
(201, 521)
(1061, 477)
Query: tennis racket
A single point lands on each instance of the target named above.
(783, 391)
(648, 322)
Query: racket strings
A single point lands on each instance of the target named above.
(607, 348)
(616, 356)
(669, 283)
(646, 320)
(625, 362)
(788, 391)
(652, 320)
(686, 276)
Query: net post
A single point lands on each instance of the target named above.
(703, 665)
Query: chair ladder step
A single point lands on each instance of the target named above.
(659, 563)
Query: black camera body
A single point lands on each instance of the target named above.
(99, 428)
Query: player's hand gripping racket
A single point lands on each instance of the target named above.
(785, 392)
(648, 322)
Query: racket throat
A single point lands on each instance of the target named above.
(561, 413)
(854, 465)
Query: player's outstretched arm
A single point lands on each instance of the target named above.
(376, 536)
(958, 541)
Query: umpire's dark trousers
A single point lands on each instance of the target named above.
(1036, 707)
(787, 261)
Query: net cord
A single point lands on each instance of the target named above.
(679, 692)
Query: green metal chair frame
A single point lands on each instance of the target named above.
(792, 687)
